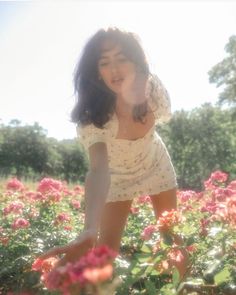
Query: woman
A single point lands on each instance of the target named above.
(119, 105)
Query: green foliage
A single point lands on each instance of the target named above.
(199, 142)
(224, 73)
(25, 151)
(74, 161)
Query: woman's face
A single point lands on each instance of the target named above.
(114, 67)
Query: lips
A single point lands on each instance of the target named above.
(117, 80)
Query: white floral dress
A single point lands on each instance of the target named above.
(137, 167)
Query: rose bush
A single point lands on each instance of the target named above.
(50, 213)
(89, 273)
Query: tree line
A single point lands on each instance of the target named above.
(26, 151)
(199, 141)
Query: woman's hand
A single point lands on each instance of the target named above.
(133, 88)
(75, 249)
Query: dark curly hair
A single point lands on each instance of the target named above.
(95, 101)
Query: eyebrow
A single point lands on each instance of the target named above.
(118, 53)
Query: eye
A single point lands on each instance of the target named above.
(103, 64)
(122, 59)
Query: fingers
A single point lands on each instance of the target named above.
(62, 249)
(83, 241)
(53, 252)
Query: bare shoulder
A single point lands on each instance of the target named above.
(98, 156)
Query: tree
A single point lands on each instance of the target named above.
(224, 73)
(74, 160)
(23, 149)
(199, 142)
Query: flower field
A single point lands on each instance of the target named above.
(49, 213)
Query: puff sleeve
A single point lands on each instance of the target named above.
(159, 99)
(90, 134)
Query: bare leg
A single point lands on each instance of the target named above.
(166, 201)
(113, 222)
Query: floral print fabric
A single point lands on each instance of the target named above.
(141, 166)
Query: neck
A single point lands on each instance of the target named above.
(122, 108)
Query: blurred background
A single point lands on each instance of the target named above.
(41, 41)
(190, 45)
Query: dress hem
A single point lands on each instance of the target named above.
(154, 192)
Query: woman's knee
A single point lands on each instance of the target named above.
(164, 201)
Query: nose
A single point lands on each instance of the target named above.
(114, 67)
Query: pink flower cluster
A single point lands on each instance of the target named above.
(165, 223)
(79, 190)
(44, 266)
(221, 194)
(185, 196)
(226, 212)
(20, 223)
(176, 257)
(220, 201)
(93, 268)
(75, 204)
(232, 185)
(47, 185)
(15, 207)
(134, 210)
(148, 232)
(144, 199)
(217, 178)
(50, 189)
(15, 185)
(217, 202)
(61, 218)
(168, 220)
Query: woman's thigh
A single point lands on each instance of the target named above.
(113, 222)
(164, 201)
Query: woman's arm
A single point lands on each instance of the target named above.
(96, 189)
(97, 185)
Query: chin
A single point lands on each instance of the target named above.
(115, 90)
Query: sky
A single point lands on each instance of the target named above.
(41, 41)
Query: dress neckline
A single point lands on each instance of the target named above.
(136, 139)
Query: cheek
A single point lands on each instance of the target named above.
(129, 68)
(104, 74)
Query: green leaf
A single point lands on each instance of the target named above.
(223, 276)
(150, 288)
(175, 277)
(144, 257)
(168, 289)
(157, 259)
(136, 270)
(149, 269)
(154, 273)
(188, 229)
(146, 249)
